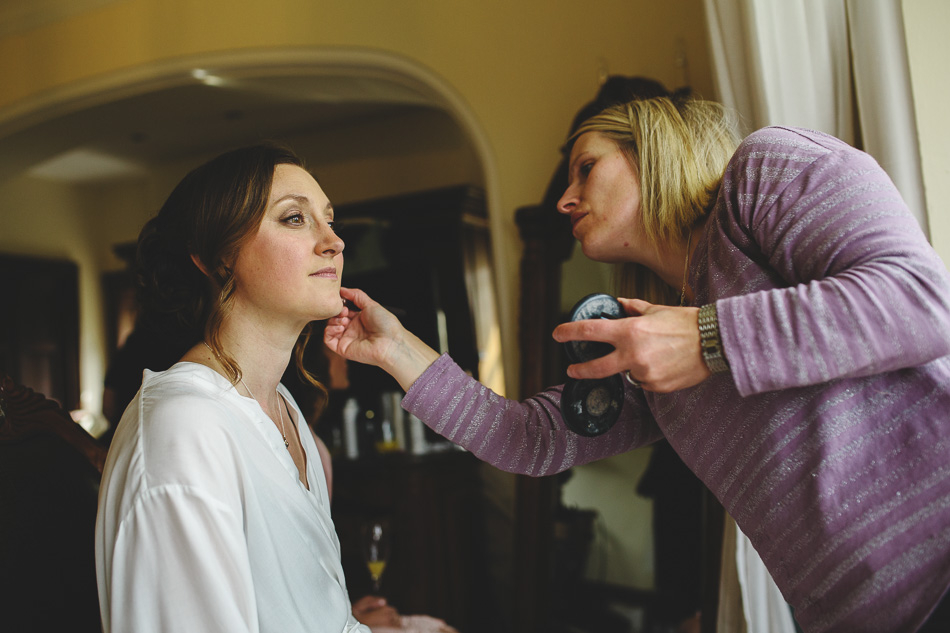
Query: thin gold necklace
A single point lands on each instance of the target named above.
(689, 240)
(280, 413)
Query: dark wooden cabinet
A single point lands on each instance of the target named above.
(414, 254)
(39, 326)
(434, 506)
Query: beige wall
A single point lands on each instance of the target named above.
(39, 219)
(622, 549)
(521, 68)
(414, 152)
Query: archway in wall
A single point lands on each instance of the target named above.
(200, 105)
(114, 127)
(111, 127)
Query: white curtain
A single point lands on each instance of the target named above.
(838, 66)
(749, 600)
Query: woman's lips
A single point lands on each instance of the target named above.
(326, 273)
(575, 218)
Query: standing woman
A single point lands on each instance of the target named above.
(800, 367)
(213, 510)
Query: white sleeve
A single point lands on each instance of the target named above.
(180, 563)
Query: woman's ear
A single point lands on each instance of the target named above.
(201, 267)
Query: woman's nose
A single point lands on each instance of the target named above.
(568, 201)
(330, 243)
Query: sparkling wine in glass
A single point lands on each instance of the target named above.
(376, 549)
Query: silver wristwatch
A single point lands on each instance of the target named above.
(709, 339)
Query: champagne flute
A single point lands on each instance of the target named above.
(376, 549)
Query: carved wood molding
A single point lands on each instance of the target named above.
(547, 242)
(543, 232)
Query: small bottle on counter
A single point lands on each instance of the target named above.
(386, 440)
(399, 421)
(351, 445)
(418, 444)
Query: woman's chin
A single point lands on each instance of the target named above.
(591, 251)
(598, 252)
(332, 309)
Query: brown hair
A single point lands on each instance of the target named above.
(209, 215)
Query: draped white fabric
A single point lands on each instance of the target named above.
(839, 66)
(749, 600)
(762, 603)
(884, 97)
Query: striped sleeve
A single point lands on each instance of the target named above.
(860, 290)
(528, 437)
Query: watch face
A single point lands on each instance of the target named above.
(595, 306)
(592, 407)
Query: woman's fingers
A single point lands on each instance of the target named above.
(604, 330)
(357, 297)
(587, 330)
(635, 307)
(598, 368)
(659, 347)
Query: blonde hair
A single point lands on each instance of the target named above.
(679, 150)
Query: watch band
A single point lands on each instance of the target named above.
(709, 340)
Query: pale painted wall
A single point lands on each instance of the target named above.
(40, 219)
(523, 68)
(622, 551)
(422, 150)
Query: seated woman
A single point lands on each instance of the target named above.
(214, 513)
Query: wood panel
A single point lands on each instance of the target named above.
(39, 326)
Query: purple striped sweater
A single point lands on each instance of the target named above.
(829, 439)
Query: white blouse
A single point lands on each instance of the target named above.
(203, 522)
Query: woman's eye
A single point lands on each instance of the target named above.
(585, 168)
(296, 218)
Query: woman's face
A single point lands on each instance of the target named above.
(291, 268)
(603, 200)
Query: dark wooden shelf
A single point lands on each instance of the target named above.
(433, 504)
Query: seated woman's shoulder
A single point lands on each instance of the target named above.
(185, 401)
(184, 431)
